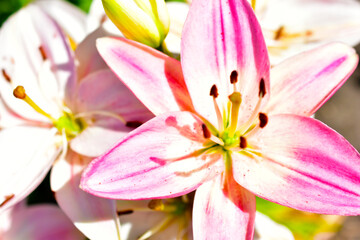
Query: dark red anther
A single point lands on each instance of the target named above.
(234, 77)
(7, 199)
(125, 212)
(6, 76)
(262, 89)
(206, 132)
(133, 124)
(263, 119)
(42, 52)
(243, 142)
(214, 91)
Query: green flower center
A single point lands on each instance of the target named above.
(69, 125)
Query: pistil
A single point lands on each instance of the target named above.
(235, 99)
(19, 92)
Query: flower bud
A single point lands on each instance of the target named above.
(145, 21)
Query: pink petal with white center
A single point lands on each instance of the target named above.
(303, 165)
(26, 155)
(110, 111)
(155, 78)
(41, 222)
(223, 210)
(95, 217)
(158, 159)
(70, 18)
(32, 40)
(301, 84)
(221, 36)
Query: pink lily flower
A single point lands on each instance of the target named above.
(226, 136)
(40, 222)
(84, 107)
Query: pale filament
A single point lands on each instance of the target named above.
(218, 115)
(245, 127)
(157, 228)
(216, 140)
(101, 113)
(64, 144)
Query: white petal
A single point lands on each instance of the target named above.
(26, 155)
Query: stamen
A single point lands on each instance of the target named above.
(243, 142)
(246, 126)
(7, 199)
(263, 119)
(157, 228)
(156, 204)
(125, 212)
(214, 93)
(101, 113)
(262, 89)
(206, 132)
(19, 92)
(159, 205)
(42, 52)
(64, 145)
(279, 33)
(133, 124)
(234, 79)
(217, 140)
(235, 99)
(6, 76)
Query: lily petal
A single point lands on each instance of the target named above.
(23, 171)
(165, 150)
(155, 78)
(41, 222)
(221, 36)
(35, 43)
(94, 217)
(223, 211)
(177, 12)
(71, 19)
(267, 229)
(301, 84)
(109, 109)
(87, 55)
(311, 167)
